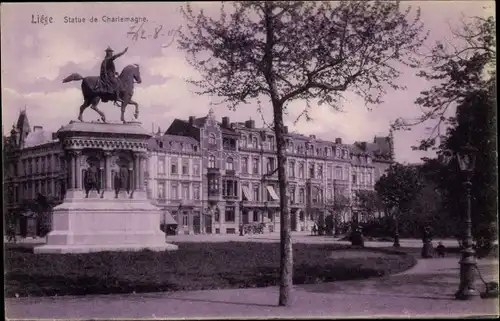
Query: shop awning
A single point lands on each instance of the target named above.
(168, 218)
(246, 193)
(272, 192)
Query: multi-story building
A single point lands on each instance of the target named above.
(174, 180)
(34, 166)
(214, 176)
(241, 180)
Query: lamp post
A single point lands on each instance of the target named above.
(466, 160)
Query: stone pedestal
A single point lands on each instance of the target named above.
(105, 220)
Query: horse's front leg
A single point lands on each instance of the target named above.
(136, 113)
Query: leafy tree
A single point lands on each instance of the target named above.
(458, 67)
(339, 208)
(397, 190)
(476, 124)
(369, 203)
(274, 53)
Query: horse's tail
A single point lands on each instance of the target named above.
(72, 77)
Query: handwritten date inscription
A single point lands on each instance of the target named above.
(140, 32)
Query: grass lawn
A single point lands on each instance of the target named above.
(195, 266)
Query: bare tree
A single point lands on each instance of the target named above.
(457, 67)
(274, 53)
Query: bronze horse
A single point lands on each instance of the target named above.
(91, 96)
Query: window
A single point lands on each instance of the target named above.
(196, 192)
(272, 142)
(270, 165)
(362, 178)
(243, 142)
(211, 139)
(229, 214)
(292, 195)
(311, 170)
(196, 169)
(338, 173)
(255, 143)
(229, 188)
(326, 152)
(255, 166)
(185, 192)
(161, 190)
(330, 172)
(302, 198)
(330, 194)
(42, 187)
(173, 169)
(369, 179)
(185, 219)
(211, 161)
(229, 164)
(301, 170)
(320, 171)
(174, 192)
(185, 169)
(291, 170)
(338, 152)
(344, 154)
(354, 178)
(42, 164)
(368, 160)
(256, 193)
(255, 216)
(161, 166)
(346, 173)
(213, 185)
(244, 165)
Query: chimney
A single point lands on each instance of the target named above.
(250, 123)
(225, 122)
(191, 120)
(338, 140)
(37, 128)
(312, 136)
(286, 129)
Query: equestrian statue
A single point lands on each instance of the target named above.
(109, 86)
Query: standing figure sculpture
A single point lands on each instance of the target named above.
(91, 180)
(108, 87)
(108, 82)
(121, 181)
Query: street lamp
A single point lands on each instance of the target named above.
(466, 158)
(396, 227)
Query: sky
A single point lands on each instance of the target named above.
(43, 43)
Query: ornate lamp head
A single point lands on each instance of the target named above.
(467, 159)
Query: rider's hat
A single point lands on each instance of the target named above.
(109, 49)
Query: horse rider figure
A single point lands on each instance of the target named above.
(108, 82)
(91, 180)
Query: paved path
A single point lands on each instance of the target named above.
(425, 290)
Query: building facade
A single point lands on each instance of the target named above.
(215, 176)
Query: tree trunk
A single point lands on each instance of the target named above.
(286, 257)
